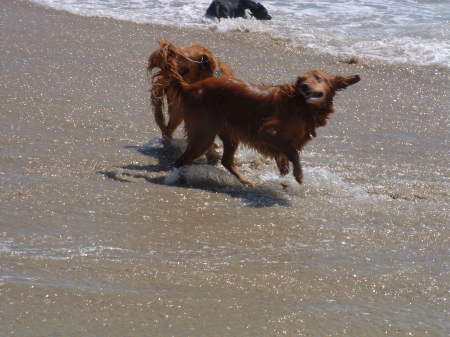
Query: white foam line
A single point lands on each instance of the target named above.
(390, 31)
(6, 246)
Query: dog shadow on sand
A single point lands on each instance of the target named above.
(200, 175)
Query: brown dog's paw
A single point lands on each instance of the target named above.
(166, 140)
(213, 156)
(247, 183)
(283, 165)
(299, 178)
(244, 181)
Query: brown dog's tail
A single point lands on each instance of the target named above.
(169, 68)
(163, 58)
(160, 57)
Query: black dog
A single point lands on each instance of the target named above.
(236, 8)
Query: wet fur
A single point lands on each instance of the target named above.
(195, 62)
(277, 121)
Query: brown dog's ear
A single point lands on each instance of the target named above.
(300, 79)
(342, 82)
(155, 60)
(299, 82)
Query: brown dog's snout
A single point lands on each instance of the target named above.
(309, 90)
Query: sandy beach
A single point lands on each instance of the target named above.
(95, 242)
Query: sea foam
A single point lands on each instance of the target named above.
(406, 31)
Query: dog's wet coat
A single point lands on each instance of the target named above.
(277, 120)
(194, 63)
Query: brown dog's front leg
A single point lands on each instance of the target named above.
(294, 157)
(197, 145)
(272, 131)
(282, 164)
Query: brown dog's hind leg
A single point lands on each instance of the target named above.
(175, 119)
(229, 149)
(158, 114)
(197, 145)
(212, 155)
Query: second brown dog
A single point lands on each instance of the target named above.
(193, 63)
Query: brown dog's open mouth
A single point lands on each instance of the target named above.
(313, 95)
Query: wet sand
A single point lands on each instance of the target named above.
(95, 242)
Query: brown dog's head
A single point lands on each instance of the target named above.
(198, 63)
(194, 62)
(318, 87)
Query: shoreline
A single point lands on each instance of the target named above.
(268, 38)
(290, 41)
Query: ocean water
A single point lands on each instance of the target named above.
(411, 31)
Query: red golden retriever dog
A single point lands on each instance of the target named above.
(276, 120)
(193, 63)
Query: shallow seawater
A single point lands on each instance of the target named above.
(413, 31)
(210, 256)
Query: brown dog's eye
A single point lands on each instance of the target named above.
(318, 78)
(204, 59)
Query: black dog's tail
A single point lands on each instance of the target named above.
(258, 11)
